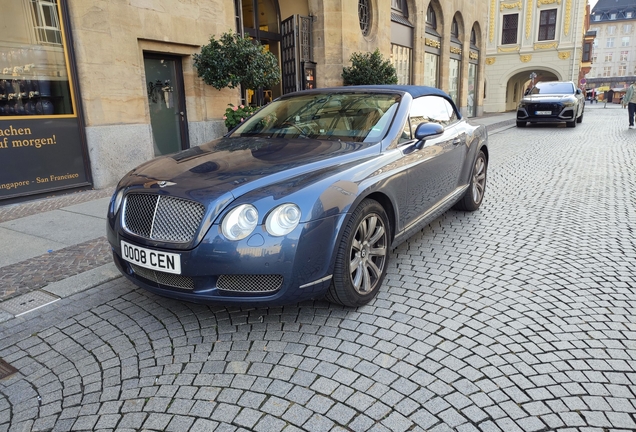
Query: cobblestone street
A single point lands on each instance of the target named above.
(518, 317)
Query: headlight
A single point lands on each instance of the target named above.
(117, 199)
(240, 222)
(569, 104)
(283, 219)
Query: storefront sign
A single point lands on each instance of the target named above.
(40, 155)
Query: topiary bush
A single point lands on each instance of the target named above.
(234, 60)
(369, 69)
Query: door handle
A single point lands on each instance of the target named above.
(457, 141)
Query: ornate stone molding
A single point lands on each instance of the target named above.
(515, 5)
(542, 2)
(490, 60)
(546, 45)
(564, 55)
(528, 18)
(568, 15)
(491, 26)
(455, 50)
(508, 49)
(525, 58)
(473, 55)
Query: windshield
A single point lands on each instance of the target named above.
(546, 88)
(346, 116)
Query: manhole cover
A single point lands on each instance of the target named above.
(28, 302)
(6, 369)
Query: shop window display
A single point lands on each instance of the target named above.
(34, 78)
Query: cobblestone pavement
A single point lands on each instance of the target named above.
(518, 317)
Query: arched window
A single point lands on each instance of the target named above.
(364, 15)
(454, 29)
(401, 41)
(431, 19)
(473, 37)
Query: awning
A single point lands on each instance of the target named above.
(602, 89)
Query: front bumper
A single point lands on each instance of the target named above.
(558, 113)
(260, 269)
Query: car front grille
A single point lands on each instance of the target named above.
(554, 108)
(162, 278)
(162, 218)
(250, 283)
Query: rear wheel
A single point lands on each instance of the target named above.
(474, 195)
(521, 123)
(362, 256)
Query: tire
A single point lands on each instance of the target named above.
(580, 119)
(521, 123)
(365, 248)
(571, 124)
(474, 195)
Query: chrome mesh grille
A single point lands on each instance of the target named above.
(162, 218)
(250, 283)
(168, 279)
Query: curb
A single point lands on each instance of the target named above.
(55, 291)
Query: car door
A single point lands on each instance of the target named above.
(434, 167)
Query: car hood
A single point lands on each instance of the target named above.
(218, 172)
(548, 98)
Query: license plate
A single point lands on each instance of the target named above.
(151, 259)
(543, 112)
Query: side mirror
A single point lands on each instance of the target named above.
(578, 91)
(426, 131)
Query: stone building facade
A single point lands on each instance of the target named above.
(614, 53)
(544, 38)
(108, 85)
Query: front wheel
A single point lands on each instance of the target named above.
(474, 195)
(580, 119)
(571, 124)
(362, 256)
(521, 123)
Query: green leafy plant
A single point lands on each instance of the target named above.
(237, 114)
(233, 60)
(369, 69)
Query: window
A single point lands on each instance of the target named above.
(624, 55)
(364, 15)
(473, 38)
(547, 24)
(622, 70)
(46, 22)
(509, 29)
(587, 49)
(613, 16)
(431, 18)
(453, 79)
(398, 5)
(627, 28)
(597, 17)
(431, 66)
(608, 57)
(628, 14)
(609, 43)
(594, 58)
(454, 28)
(625, 41)
(595, 43)
(611, 30)
(607, 71)
(401, 59)
(431, 109)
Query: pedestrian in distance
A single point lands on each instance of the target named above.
(629, 101)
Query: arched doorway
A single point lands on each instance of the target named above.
(521, 81)
(260, 20)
